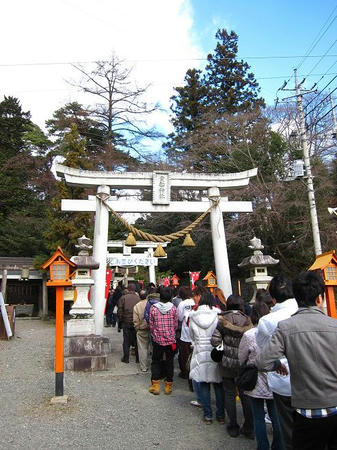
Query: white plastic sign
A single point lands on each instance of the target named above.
(5, 317)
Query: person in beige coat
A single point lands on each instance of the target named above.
(143, 331)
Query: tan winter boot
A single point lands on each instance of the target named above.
(168, 387)
(155, 387)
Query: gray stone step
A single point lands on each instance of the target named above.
(86, 353)
(86, 363)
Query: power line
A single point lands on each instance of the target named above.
(55, 63)
(281, 77)
(310, 74)
(321, 118)
(319, 36)
(322, 101)
(324, 75)
(313, 45)
(332, 45)
(321, 91)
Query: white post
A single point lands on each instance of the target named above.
(152, 269)
(44, 299)
(4, 283)
(219, 245)
(97, 294)
(307, 165)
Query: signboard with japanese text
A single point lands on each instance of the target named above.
(161, 188)
(133, 260)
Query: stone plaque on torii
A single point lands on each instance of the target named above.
(161, 183)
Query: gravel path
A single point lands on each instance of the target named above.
(106, 410)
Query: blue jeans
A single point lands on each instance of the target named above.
(196, 389)
(260, 424)
(205, 395)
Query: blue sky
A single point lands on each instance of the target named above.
(161, 39)
(272, 28)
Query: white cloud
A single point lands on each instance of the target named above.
(154, 36)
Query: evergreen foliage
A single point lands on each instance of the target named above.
(226, 87)
(64, 228)
(75, 114)
(23, 179)
(231, 87)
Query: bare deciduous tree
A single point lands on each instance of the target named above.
(120, 106)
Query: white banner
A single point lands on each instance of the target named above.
(133, 260)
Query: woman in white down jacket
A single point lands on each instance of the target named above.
(202, 323)
(261, 394)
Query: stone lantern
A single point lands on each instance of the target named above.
(84, 350)
(82, 314)
(257, 265)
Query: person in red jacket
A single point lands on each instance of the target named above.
(163, 325)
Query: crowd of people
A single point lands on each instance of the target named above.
(275, 356)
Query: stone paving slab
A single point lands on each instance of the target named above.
(105, 410)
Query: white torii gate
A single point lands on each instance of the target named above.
(161, 183)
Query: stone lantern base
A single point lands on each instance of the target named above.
(80, 327)
(86, 353)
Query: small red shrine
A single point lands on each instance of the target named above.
(211, 281)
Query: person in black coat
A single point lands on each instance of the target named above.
(114, 302)
(109, 310)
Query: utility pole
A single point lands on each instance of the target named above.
(309, 177)
(334, 132)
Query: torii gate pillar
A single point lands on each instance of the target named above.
(219, 245)
(152, 269)
(97, 295)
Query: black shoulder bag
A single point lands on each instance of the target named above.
(247, 377)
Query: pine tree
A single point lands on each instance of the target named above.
(206, 103)
(75, 114)
(15, 160)
(232, 87)
(24, 181)
(189, 103)
(188, 108)
(64, 228)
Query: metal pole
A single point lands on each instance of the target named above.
(333, 116)
(310, 184)
(59, 343)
